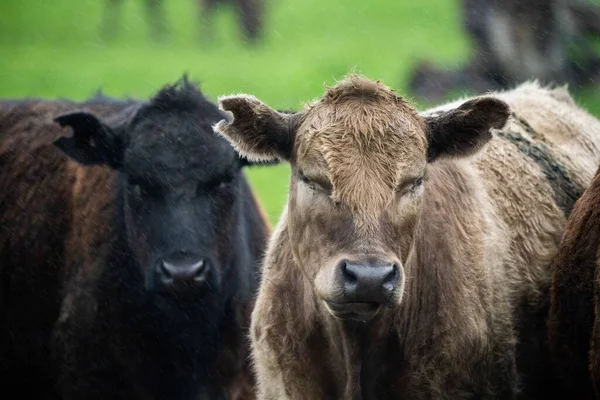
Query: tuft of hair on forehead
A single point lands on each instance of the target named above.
(355, 86)
(368, 108)
(183, 96)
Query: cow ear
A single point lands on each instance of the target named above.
(465, 130)
(92, 141)
(258, 132)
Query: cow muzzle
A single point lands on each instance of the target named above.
(363, 287)
(182, 272)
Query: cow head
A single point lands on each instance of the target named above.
(359, 159)
(179, 186)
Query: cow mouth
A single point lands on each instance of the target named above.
(355, 311)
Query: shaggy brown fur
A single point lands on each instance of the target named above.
(574, 322)
(38, 185)
(472, 240)
(71, 278)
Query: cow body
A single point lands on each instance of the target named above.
(85, 301)
(574, 319)
(385, 281)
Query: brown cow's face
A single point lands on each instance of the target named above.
(359, 158)
(355, 199)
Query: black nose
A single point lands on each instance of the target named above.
(370, 282)
(182, 273)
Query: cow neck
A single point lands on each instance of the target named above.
(375, 356)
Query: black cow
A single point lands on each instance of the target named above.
(130, 272)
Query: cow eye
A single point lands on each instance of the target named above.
(410, 186)
(418, 182)
(218, 183)
(142, 188)
(304, 179)
(316, 185)
(311, 184)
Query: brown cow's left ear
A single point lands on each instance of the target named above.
(258, 132)
(464, 130)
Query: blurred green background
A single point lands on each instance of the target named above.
(53, 49)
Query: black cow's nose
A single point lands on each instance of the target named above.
(370, 282)
(182, 273)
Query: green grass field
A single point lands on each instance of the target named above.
(52, 49)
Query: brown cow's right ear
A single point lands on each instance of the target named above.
(258, 132)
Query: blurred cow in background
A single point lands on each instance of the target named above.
(516, 40)
(250, 14)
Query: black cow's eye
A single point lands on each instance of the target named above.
(142, 188)
(219, 183)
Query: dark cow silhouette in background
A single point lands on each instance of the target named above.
(250, 14)
(516, 40)
(128, 251)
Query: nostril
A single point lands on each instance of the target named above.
(198, 270)
(163, 270)
(391, 277)
(349, 275)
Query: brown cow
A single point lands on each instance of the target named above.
(410, 251)
(574, 322)
(129, 247)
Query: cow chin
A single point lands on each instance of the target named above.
(359, 311)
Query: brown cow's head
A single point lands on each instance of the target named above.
(359, 160)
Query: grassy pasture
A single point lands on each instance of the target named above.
(52, 49)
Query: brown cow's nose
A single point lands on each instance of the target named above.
(369, 282)
(182, 274)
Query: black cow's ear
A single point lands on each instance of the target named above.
(465, 130)
(92, 141)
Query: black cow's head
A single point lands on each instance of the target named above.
(180, 185)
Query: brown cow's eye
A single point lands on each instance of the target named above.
(303, 178)
(410, 186)
(315, 184)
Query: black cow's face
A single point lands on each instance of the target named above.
(179, 185)
(180, 189)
